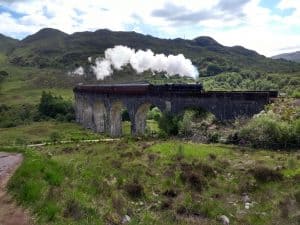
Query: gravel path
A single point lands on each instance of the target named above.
(10, 213)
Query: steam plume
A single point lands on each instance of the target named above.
(120, 56)
(77, 72)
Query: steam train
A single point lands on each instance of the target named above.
(140, 88)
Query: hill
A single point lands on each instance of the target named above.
(42, 61)
(7, 44)
(292, 56)
(53, 48)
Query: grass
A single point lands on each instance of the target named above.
(25, 84)
(39, 132)
(154, 182)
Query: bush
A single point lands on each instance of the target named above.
(3, 74)
(296, 94)
(154, 114)
(185, 125)
(213, 70)
(11, 116)
(56, 107)
(54, 137)
(267, 132)
(264, 174)
(169, 124)
(134, 190)
(213, 137)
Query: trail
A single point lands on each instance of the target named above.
(68, 142)
(10, 213)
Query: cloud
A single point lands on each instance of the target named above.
(267, 31)
(232, 6)
(224, 10)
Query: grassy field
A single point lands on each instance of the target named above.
(39, 132)
(25, 84)
(151, 181)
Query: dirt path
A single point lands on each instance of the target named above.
(10, 213)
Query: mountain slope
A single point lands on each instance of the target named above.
(293, 56)
(53, 48)
(7, 44)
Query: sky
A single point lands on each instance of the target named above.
(269, 27)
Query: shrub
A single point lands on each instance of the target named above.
(154, 114)
(11, 116)
(213, 69)
(265, 174)
(185, 125)
(54, 137)
(50, 210)
(134, 190)
(55, 107)
(169, 123)
(74, 210)
(213, 137)
(296, 94)
(268, 132)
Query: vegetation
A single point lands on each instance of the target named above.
(157, 182)
(149, 180)
(246, 80)
(277, 128)
(45, 131)
(50, 106)
(56, 107)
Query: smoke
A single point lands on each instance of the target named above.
(77, 72)
(120, 56)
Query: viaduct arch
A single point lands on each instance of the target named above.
(99, 107)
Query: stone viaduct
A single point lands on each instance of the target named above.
(99, 107)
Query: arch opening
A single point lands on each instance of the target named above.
(146, 120)
(126, 122)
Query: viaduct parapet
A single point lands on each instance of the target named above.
(99, 107)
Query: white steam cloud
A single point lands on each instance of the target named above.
(140, 61)
(77, 72)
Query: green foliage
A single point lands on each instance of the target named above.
(296, 94)
(251, 80)
(266, 132)
(154, 114)
(3, 74)
(34, 178)
(169, 123)
(213, 69)
(7, 44)
(39, 132)
(56, 107)
(276, 127)
(185, 124)
(11, 116)
(99, 183)
(55, 136)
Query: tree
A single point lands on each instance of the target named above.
(213, 69)
(55, 107)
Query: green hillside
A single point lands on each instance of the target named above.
(53, 48)
(7, 44)
(41, 62)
